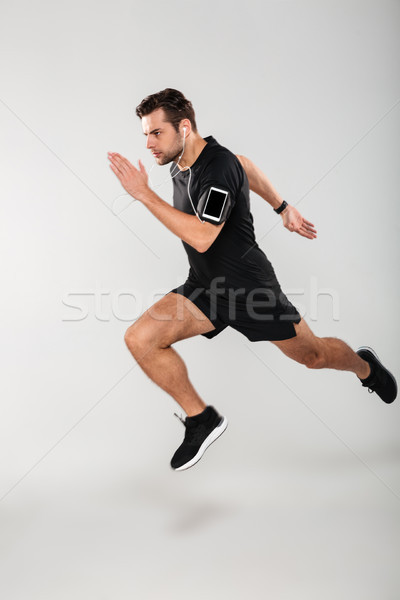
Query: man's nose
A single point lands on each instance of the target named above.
(149, 142)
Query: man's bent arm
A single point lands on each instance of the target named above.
(199, 235)
(259, 182)
(187, 227)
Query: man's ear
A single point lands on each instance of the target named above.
(185, 127)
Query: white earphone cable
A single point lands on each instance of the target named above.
(172, 177)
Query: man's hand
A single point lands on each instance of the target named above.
(134, 181)
(293, 221)
(261, 185)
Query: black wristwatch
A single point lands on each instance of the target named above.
(281, 207)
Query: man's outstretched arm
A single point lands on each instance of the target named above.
(187, 227)
(261, 185)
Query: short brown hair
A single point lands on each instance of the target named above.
(174, 104)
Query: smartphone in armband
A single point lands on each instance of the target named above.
(215, 204)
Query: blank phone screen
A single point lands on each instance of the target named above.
(215, 203)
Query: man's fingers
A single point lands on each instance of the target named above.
(116, 172)
(114, 161)
(306, 233)
(117, 156)
(115, 168)
(309, 226)
(122, 163)
(310, 230)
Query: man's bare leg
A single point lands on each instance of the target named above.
(319, 353)
(149, 339)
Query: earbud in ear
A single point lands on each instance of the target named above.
(184, 130)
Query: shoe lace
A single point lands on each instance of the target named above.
(180, 418)
(194, 431)
(371, 385)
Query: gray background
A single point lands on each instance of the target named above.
(300, 498)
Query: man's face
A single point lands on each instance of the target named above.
(163, 141)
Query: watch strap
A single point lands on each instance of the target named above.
(281, 207)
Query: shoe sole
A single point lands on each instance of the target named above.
(368, 349)
(214, 435)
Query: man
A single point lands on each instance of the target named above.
(230, 281)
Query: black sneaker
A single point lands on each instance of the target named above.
(201, 431)
(380, 380)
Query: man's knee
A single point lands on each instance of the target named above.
(140, 338)
(131, 340)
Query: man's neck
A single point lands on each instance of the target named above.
(193, 148)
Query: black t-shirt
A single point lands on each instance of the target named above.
(235, 254)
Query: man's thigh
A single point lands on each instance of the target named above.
(174, 317)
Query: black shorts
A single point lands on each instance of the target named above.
(260, 314)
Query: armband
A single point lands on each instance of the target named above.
(214, 205)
